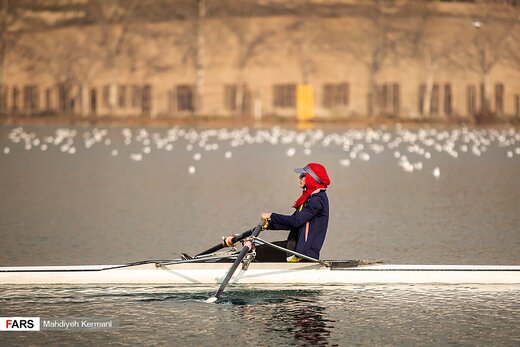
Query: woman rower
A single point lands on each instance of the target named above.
(308, 224)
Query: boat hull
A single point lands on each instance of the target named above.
(261, 273)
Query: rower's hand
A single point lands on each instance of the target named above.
(228, 240)
(266, 215)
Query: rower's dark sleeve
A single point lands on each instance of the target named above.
(275, 225)
(283, 222)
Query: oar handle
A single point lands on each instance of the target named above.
(222, 244)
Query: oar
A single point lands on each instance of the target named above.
(248, 247)
(223, 244)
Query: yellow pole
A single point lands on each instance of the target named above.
(304, 102)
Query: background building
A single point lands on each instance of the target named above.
(328, 59)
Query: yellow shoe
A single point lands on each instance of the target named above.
(293, 259)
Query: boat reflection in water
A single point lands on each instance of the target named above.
(311, 327)
(295, 316)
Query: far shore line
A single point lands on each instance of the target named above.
(266, 122)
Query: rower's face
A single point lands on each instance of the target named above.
(302, 181)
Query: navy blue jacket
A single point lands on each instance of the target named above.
(308, 225)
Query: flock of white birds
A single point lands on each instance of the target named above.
(410, 148)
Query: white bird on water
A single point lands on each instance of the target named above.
(344, 162)
(136, 156)
(436, 172)
(191, 170)
(290, 152)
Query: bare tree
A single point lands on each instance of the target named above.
(492, 26)
(433, 48)
(187, 37)
(373, 43)
(512, 54)
(20, 23)
(152, 62)
(250, 42)
(70, 62)
(302, 33)
(11, 18)
(200, 64)
(379, 43)
(113, 18)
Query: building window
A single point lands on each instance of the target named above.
(396, 98)
(284, 95)
(517, 106)
(93, 100)
(185, 98)
(422, 96)
(230, 97)
(147, 99)
(447, 100)
(48, 99)
(388, 99)
(15, 99)
(30, 98)
(499, 98)
(484, 107)
(3, 98)
(122, 96)
(106, 96)
(335, 95)
(234, 96)
(471, 99)
(27, 95)
(435, 100)
(63, 96)
(383, 103)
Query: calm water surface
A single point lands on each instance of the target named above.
(111, 201)
(344, 316)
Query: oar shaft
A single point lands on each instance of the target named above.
(212, 249)
(221, 245)
(247, 248)
(231, 271)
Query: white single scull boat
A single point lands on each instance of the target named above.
(203, 272)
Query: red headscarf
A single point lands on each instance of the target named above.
(316, 178)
